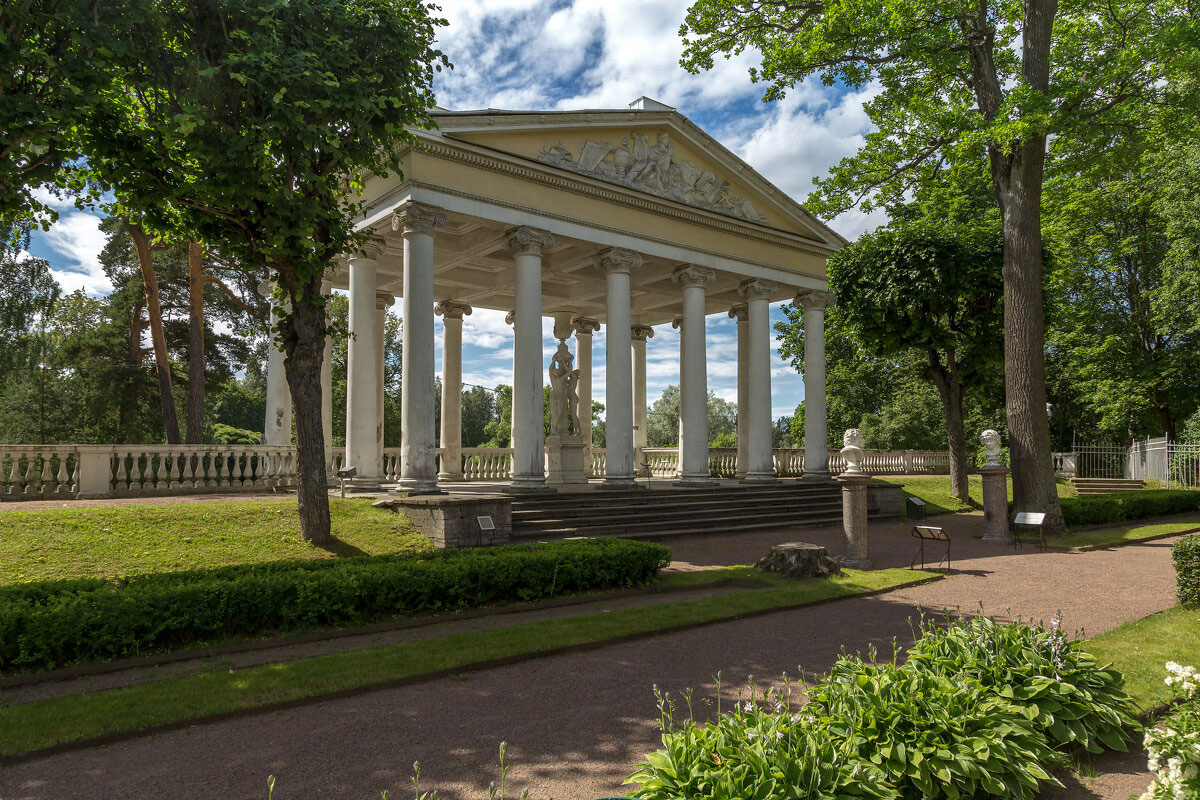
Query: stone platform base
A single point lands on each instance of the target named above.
(452, 520)
(799, 560)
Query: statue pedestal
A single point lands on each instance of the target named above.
(566, 460)
(854, 520)
(995, 505)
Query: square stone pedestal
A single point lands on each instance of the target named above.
(453, 520)
(566, 460)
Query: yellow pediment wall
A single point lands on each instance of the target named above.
(691, 175)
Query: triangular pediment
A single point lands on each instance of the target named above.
(655, 151)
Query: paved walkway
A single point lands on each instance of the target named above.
(577, 724)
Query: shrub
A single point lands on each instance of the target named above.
(52, 624)
(750, 752)
(1172, 753)
(975, 710)
(935, 736)
(1101, 509)
(1070, 699)
(1186, 554)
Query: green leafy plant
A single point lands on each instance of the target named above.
(1171, 749)
(758, 750)
(1100, 509)
(1069, 698)
(49, 624)
(935, 736)
(1186, 555)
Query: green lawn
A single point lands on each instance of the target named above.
(45, 723)
(1104, 538)
(935, 491)
(1140, 649)
(125, 540)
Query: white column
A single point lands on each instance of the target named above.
(418, 451)
(677, 324)
(362, 412)
(740, 313)
(816, 438)
(383, 301)
(618, 360)
(278, 419)
(452, 315)
(639, 334)
(693, 377)
(327, 383)
(529, 435)
(511, 319)
(758, 293)
(584, 328)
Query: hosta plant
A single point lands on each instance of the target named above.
(935, 736)
(1173, 746)
(1071, 699)
(759, 750)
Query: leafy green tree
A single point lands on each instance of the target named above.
(479, 409)
(1132, 349)
(662, 420)
(934, 290)
(240, 128)
(28, 293)
(956, 81)
(53, 68)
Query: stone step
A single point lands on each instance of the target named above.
(607, 498)
(614, 515)
(735, 520)
(664, 501)
(671, 532)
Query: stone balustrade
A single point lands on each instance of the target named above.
(69, 471)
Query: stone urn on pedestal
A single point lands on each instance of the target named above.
(854, 502)
(995, 491)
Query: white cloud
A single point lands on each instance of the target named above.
(75, 242)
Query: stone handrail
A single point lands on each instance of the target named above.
(68, 471)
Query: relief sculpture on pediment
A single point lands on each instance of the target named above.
(653, 168)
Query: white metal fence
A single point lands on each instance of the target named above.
(1175, 466)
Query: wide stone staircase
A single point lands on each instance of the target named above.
(1105, 485)
(674, 511)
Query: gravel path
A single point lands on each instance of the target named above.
(577, 724)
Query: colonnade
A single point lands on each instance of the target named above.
(625, 369)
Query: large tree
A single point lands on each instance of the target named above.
(949, 78)
(249, 125)
(933, 290)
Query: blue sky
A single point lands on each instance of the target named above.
(564, 54)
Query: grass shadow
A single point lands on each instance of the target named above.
(341, 549)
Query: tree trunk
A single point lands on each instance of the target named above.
(162, 365)
(133, 359)
(951, 391)
(195, 389)
(1034, 488)
(304, 348)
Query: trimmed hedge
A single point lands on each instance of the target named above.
(1101, 509)
(1186, 554)
(50, 624)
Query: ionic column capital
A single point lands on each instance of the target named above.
(740, 312)
(757, 289)
(370, 251)
(510, 318)
(641, 333)
(677, 323)
(384, 300)
(413, 217)
(814, 299)
(616, 259)
(690, 275)
(526, 240)
(585, 326)
(452, 309)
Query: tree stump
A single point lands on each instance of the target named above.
(799, 560)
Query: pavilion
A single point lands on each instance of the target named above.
(625, 219)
